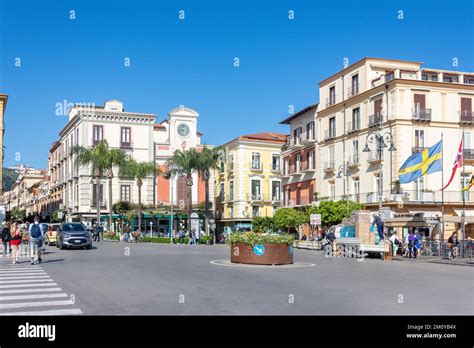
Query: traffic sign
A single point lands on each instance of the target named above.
(258, 249)
(315, 219)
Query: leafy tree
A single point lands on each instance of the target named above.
(208, 160)
(122, 207)
(138, 171)
(102, 159)
(262, 224)
(18, 214)
(185, 163)
(54, 216)
(288, 218)
(333, 212)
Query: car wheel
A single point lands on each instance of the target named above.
(89, 246)
(61, 245)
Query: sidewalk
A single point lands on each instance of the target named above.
(436, 259)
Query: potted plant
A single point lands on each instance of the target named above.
(261, 248)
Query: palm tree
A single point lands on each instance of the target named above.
(185, 163)
(208, 160)
(138, 171)
(103, 160)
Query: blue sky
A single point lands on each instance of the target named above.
(191, 62)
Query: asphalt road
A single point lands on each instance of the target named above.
(155, 279)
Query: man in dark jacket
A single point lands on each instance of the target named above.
(6, 238)
(379, 223)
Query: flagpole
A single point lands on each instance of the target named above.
(463, 217)
(442, 191)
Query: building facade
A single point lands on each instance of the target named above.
(299, 158)
(401, 108)
(3, 105)
(248, 183)
(178, 132)
(132, 132)
(55, 177)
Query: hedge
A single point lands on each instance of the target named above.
(166, 240)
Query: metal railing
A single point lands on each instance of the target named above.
(421, 114)
(329, 133)
(330, 100)
(329, 165)
(418, 149)
(375, 119)
(374, 156)
(353, 160)
(353, 90)
(256, 166)
(353, 127)
(466, 116)
(468, 154)
(307, 166)
(465, 248)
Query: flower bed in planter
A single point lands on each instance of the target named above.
(261, 249)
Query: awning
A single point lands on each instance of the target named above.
(415, 221)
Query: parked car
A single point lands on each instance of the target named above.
(74, 235)
(51, 235)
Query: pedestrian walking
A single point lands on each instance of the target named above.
(36, 233)
(181, 237)
(5, 235)
(15, 241)
(412, 245)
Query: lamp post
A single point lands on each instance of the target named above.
(380, 138)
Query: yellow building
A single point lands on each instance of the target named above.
(3, 104)
(248, 183)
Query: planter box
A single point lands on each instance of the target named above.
(262, 254)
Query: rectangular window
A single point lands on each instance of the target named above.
(419, 140)
(310, 159)
(256, 160)
(356, 189)
(255, 210)
(420, 102)
(332, 95)
(276, 190)
(355, 119)
(222, 192)
(275, 163)
(331, 153)
(332, 191)
(310, 131)
(94, 195)
(355, 84)
(297, 135)
(125, 191)
(466, 109)
(231, 162)
(77, 136)
(97, 134)
(231, 210)
(125, 137)
(298, 163)
(332, 127)
(231, 190)
(256, 193)
(378, 185)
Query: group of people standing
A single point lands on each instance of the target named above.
(12, 237)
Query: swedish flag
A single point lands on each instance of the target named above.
(426, 162)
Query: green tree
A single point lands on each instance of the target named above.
(333, 212)
(102, 159)
(208, 160)
(262, 224)
(18, 214)
(138, 171)
(288, 218)
(185, 163)
(122, 207)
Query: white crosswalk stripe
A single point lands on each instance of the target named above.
(29, 290)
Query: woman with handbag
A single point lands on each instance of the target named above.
(15, 242)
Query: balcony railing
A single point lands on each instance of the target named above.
(352, 127)
(256, 167)
(374, 157)
(258, 197)
(329, 165)
(276, 170)
(421, 114)
(353, 161)
(466, 116)
(468, 154)
(418, 149)
(329, 133)
(375, 119)
(330, 100)
(307, 166)
(295, 141)
(352, 91)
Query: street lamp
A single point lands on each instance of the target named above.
(380, 138)
(343, 172)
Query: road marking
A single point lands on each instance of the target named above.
(26, 281)
(25, 277)
(23, 274)
(31, 297)
(19, 291)
(21, 271)
(48, 312)
(36, 304)
(26, 285)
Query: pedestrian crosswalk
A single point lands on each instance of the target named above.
(29, 290)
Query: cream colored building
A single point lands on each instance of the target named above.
(248, 183)
(88, 125)
(408, 105)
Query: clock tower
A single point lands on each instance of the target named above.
(183, 128)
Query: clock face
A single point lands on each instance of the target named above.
(183, 130)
